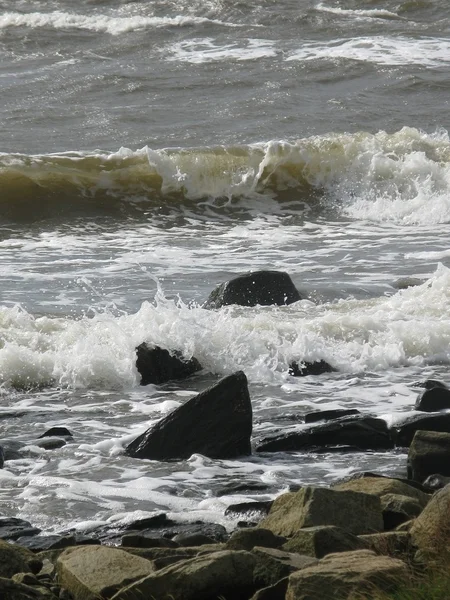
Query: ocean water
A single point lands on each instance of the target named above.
(152, 150)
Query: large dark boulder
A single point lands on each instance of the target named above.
(359, 432)
(157, 365)
(330, 415)
(428, 454)
(403, 434)
(260, 287)
(217, 423)
(434, 399)
(310, 368)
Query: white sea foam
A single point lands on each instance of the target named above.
(376, 13)
(203, 50)
(100, 23)
(382, 50)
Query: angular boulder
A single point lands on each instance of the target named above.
(228, 574)
(433, 400)
(339, 576)
(249, 537)
(216, 423)
(91, 572)
(429, 454)
(330, 415)
(398, 509)
(381, 486)
(250, 289)
(403, 434)
(430, 532)
(358, 432)
(15, 559)
(322, 540)
(355, 512)
(391, 543)
(157, 365)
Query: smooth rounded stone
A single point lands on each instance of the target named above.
(15, 559)
(403, 434)
(433, 400)
(398, 509)
(228, 574)
(355, 512)
(264, 288)
(306, 368)
(361, 433)
(49, 443)
(89, 572)
(138, 540)
(338, 576)
(380, 486)
(391, 543)
(12, 590)
(322, 540)
(216, 423)
(430, 531)
(251, 510)
(246, 539)
(56, 432)
(428, 454)
(12, 528)
(329, 415)
(436, 482)
(157, 365)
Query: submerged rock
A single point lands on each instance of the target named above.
(216, 423)
(433, 400)
(310, 368)
(404, 434)
(157, 365)
(250, 289)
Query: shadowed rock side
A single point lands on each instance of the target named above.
(434, 399)
(261, 287)
(216, 423)
(429, 454)
(157, 365)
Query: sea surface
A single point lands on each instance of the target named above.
(152, 150)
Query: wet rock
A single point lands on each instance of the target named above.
(355, 512)
(428, 454)
(250, 510)
(322, 540)
(382, 486)
(406, 282)
(310, 368)
(153, 522)
(434, 399)
(99, 571)
(265, 288)
(429, 384)
(12, 528)
(56, 432)
(216, 423)
(246, 539)
(40, 543)
(49, 443)
(338, 576)
(192, 539)
(157, 365)
(329, 415)
(361, 433)
(141, 540)
(436, 482)
(240, 487)
(2, 457)
(403, 434)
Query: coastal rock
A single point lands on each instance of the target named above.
(398, 509)
(359, 432)
(272, 592)
(157, 365)
(429, 384)
(227, 573)
(330, 415)
(216, 423)
(433, 400)
(322, 540)
(56, 432)
(13, 590)
(338, 576)
(428, 454)
(250, 289)
(272, 565)
(436, 482)
(12, 528)
(310, 506)
(15, 559)
(90, 572)
(310, 368)
(391, 543)
(430, 532)
(403, 434)
(140, 540)
(248, 538)
(381, 486)
(249, 510)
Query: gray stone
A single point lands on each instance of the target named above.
(428, 454)
(248, 538)
(322, 540)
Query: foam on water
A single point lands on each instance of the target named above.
(376, 13)
(202, 50)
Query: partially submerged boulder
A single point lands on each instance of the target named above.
(403, 434)
(338, 576)
(305, 368)
(434, 399)
(157, 365)
(216, 423)
(310, 506)
(250, 289)
(330, 415)
(360, 432)
(429, 454)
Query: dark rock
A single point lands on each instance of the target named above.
(406, 282)
(403, 434)
(56, 432)
(260, 287)
(241, 487)
(434, 399)
(329, 415)
(140, 540)
(40, 543)
(429, 384)
(153, 522)
(192, 539)
(361, 433)
(310, 368)
(428, 454)
(273, 592)
(398, 509)
(50, 443)
(322, 540)
(12, 449)
(216, 423)
(436, 482)
(2, 457)
(246, 539)
(157, 365)
(12, 528)
(249, 509)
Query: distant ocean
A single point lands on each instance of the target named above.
(152, 150)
